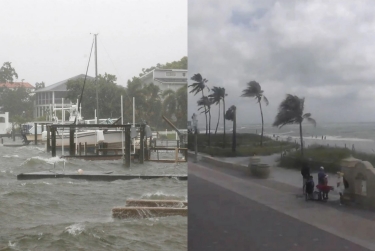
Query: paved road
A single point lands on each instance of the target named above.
(220, 219)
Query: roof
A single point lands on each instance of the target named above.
(61, 86)
(16, 85)
(172, 80)
(158, 69)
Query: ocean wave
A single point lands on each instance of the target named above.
(40, 160)
(11, 156)
(159, 195)
(75, 229)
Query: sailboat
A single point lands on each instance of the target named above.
(91, 138)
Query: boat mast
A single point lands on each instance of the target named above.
(96, 79)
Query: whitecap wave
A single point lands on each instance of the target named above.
(11, 156)
(159, 195)
(75, 229)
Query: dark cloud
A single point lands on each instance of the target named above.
(319, 50)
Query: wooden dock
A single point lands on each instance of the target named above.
(136, 208)
(93, 176)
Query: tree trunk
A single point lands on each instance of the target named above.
(300, 134)
(205, 112)
(218, 119)
(224, 122)
(261, 113)
(209, 128)
(234, 132)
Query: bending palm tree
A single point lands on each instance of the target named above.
(199, 86)
(205, 102)
(291, 112)
(215, 98)
(231, 115)
(254, 90)
(169, 103)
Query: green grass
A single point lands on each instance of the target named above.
(317, 156)
(247, 145)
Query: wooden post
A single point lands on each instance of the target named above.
(80, 149)
(71, 142)
(35, 133)
(53, 136)
(176, 155)
(13, 133)
(128, 145)
(48, 139)
(85, 149)
(141, 146)
(105, 146)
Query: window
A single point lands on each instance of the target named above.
(2, 120)
(184, 74)
(170, 73)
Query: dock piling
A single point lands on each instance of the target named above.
(127, 146)
(35, 133)
(48, 139)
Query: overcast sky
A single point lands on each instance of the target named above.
(321, 50)
(50, 41)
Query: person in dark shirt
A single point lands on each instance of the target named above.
(305, 171)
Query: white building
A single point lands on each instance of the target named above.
(5, 126)
(166, 78)
(52, 95)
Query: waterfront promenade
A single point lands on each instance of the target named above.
(232, 211)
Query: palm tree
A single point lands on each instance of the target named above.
(291, 112)
(223, 95)
(206, 103)
(231, 115)
(254, 90)
(181, 109)
(199, 86)
(169, 103)
(215, 98)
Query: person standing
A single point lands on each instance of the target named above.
(340, 185)
(305, 171)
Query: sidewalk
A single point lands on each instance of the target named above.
(278, 192)
(291, 177)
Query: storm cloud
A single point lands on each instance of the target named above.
(323, 51)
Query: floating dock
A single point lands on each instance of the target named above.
(136, 208)
(93, 176)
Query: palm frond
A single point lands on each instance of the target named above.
(253, 89)
(265, 100)
(312, 121)
(306, 115)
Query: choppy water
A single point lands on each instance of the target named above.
(65, 214)
(361, 135)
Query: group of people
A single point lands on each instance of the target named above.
(308, 182)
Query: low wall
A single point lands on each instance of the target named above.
(360, 176)
(219, 163)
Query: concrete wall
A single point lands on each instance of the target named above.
(361, 178)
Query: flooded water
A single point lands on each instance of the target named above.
(66, 214)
